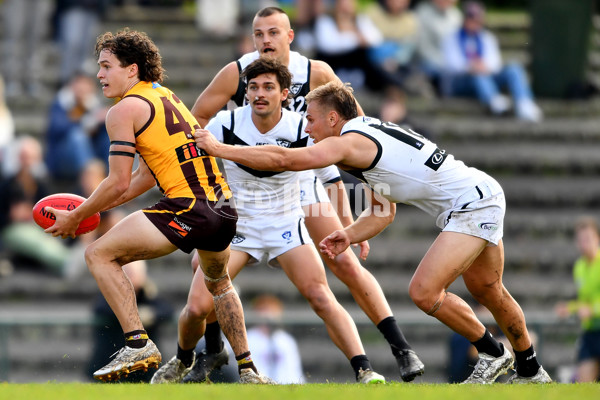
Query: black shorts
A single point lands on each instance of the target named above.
(206, 225)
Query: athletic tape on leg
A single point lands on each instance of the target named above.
(437, 304)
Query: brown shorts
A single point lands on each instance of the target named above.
(206, 225)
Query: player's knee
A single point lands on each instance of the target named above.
(319, 298)
(197, 311)
(423, 297)
(346, 267)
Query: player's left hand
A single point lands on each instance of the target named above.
(206, 141)
(335, 244)
(64, 226)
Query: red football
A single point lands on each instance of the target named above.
(63, 201)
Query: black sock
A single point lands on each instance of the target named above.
(244, 361)
(136, 339)
(360, 362)
(214, 343)
(527, 363)
(392, 333)
(185, 356)
(488, 345)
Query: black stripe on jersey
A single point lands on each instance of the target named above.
(300, 131)
(436, 159)
(238, 97)
(357, 174)
(122, 143)
(229, 137)
(121, 153)
(152, 113)
(334, 180)
(315, 190)
(377, 156)
(300, 231)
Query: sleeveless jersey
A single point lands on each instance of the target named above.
(167, 146)
(299, 67)
(410, 169)
(260, 192)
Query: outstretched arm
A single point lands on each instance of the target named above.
(274, 158)
(371, 222)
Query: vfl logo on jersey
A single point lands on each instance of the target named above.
(237, 239)
(287, 235)
(179, 227)
(295, 88)
(436, 159)
(488, 226)
(284, 143)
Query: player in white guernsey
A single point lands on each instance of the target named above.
(272, 36)
(400, 166)
(270, 219)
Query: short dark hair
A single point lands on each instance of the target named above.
(264, 65)
(268, 11)
(338, 96)
(133, 47)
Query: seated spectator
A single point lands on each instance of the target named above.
(437, 20)
(399, 27)
(343, 39)
(76, 131)
(474, 68)
(21, 237)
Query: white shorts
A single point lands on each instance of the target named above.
(478, 212)
(311, 190)
(269, 236)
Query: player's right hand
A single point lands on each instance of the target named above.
(206, 141)
(334, 244)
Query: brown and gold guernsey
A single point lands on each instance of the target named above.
(167, 145)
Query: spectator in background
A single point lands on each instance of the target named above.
(156, 314)
(586, 274)
(77, 23)
(473, 64)
(20, 236)
(275, 351)
(343, 39)
(25, 25)
(399, 27)
(76, 130)
(7, 125)
(437, 20)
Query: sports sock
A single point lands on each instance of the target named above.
(488, 345)
(527, 363)
(244, 361)
(392, 333)
(360, 362)
(214, 343)
(185, 356)
(136, 339)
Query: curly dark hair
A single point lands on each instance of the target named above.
(133, 47)
(264, 65)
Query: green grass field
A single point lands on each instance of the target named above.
(399, 391)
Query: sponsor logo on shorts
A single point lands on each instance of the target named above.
(287, 235)
(488, 226)
(179, 227)
(237, 239)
